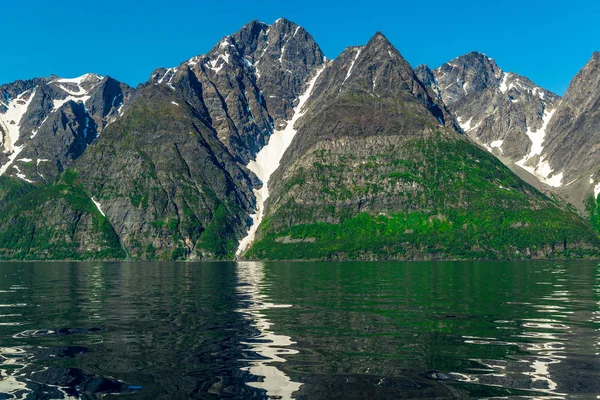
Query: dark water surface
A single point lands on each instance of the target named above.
(300, 330)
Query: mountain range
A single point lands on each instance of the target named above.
(263, 148)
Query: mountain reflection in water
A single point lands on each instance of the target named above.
(270, 347)
(523, 330)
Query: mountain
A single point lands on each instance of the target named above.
(263, 148)
(246, 86)
(170, 173)
(46, 123)
(376, 171)
(504, 112)
(527, 127)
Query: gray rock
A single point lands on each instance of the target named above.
(58, 120)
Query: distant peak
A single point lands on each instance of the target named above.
(379, 37)
(475, 59)
(255, 24)
(284, 21)
(83, 78)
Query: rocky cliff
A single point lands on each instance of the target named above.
(47, 123)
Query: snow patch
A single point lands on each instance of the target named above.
(66, 85)
(542, 170)
(98, 206)
(193, 61)
(466, 126)
(282, 50)
(11, 123)
(177, 104)
(21, 175)
(212, 64)
(11, 119)
(225, 43)
(268, 159)
(497, 144)
(352, 65)
(503, 87)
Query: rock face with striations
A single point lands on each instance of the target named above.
(372, 174)
(45, 124)
(573, 148)
(247, 85)
(504, 112)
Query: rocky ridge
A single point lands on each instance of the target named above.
(504, 112)
(47, 123)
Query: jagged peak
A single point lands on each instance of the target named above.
(424, 68)
(283, 21)
(470, 58)
(379, 39)
(255, 24)
(585, 85)
(89, 77)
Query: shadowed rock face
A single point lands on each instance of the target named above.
(375, 151)
(574, 132)
(45, 124)
(169, 187)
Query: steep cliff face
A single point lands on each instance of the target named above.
(45, 124)
(375, 173)
(247, 85)
(167, 184)
(573, 148)
(504, 112)
(57, 222)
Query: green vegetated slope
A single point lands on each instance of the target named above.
(375, 176)
(58, 221)
(13, 188)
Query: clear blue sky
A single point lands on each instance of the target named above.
(548, 41)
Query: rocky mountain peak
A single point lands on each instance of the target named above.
(248, 84)
(584, 88)
(47, 123)
(379, 68)
(467, 74)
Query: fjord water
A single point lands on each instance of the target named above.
(300, 330)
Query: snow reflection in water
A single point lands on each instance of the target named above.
(15, 383)
(544, 342)
(267, 344)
